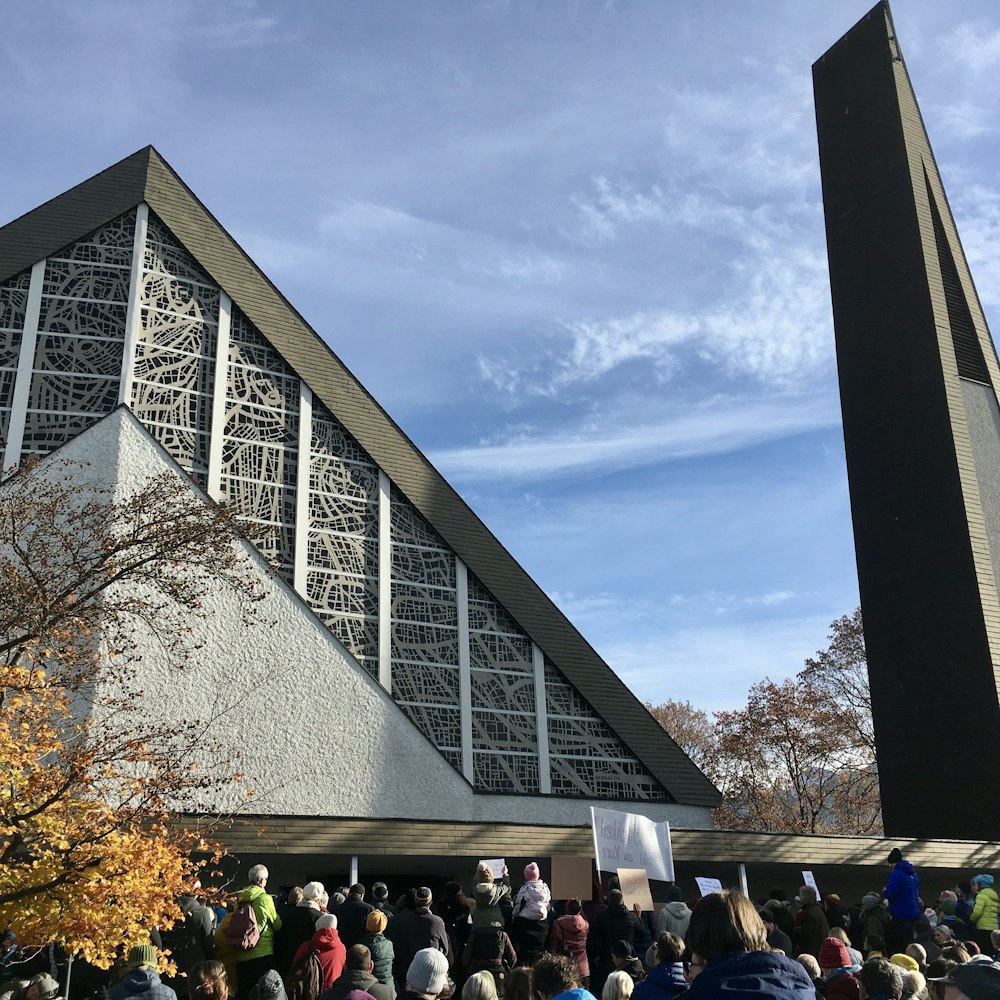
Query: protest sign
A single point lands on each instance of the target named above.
(495, 865)
(807, 878)
(572, 878)
(706, 886)
(635, 888)
(628, 839)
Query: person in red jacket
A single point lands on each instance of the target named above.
(329, 949)
(835, 964)
(569, 937)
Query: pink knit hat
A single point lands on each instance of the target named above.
(531, 872)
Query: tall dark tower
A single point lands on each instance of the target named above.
(918, 387)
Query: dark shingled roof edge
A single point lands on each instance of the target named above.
(146, 176)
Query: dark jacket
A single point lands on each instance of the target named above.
(810, 929)
(752, 975)
(665, 980)
(411, 930)
(780, 940)
(351, 916)
(355, 979)
(382, 955)
(488, 949)
(192, 939)
(144, 984)
(616, 923)
(842, 985)
(298, 924)
(903, 892)
(634, 969)
(569, 937)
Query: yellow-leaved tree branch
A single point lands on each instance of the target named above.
(93, 850)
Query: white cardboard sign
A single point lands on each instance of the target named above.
(628, 840)
(808, 879)
(706, 886)
(495, 865)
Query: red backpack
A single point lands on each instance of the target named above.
(243, 931)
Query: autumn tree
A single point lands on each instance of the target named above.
(800, 755)
(92, 852)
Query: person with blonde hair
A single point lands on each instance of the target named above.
(618, 986)
(209, 981)
(480, 986)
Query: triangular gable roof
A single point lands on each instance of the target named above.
(146, 177)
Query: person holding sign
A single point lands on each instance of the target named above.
(728, 946)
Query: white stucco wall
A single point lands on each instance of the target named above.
(318, 736)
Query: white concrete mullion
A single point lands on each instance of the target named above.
(464, 666)
(133, 311)
(384, 582)
(541, 720)
(220, 391)
(25, 365)
(302, 491)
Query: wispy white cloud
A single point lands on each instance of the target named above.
(613, 204)
(725, 426)
(966, 120)
(975, 45)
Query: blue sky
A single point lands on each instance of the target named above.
(576, 250)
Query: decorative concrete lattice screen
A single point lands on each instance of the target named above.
(226, 406)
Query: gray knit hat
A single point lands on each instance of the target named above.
(428, 971)
(269, 987)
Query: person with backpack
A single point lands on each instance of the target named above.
(489, 949)
(318, 962)
(251, 932)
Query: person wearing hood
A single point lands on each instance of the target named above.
(675, 915)
(811, 927)
(268, 987)
(329, 949)
(358, 974)
(141, 980)
(984, 911)
(835, 965)
(569, 937)
(254, 962)
(557, 978)
(666, 978)
(531, 916)
(729, 959)
(489, 897)
(902, 890)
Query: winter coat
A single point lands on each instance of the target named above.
(752, 975)
(355, 979)
(842, 985)
(616, 923)
(410, 931)
(487, 896)
(665, 980)
(488, 949)
(351, 916)
(569, 937)
(984, 913)
(674, 919)
(810, 929)
(141, 984)
(780, 940)
(456, 912)
(192, 939)
(903, 892)
(298, 924)
(532, 900)
(382, 955)
(224, 951)
(330, 951)
(267, 920)
(874, 920)
(634, 968)
(578, 994)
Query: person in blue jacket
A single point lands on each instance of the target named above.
(902, 890)
(666, 979)
(729, 956)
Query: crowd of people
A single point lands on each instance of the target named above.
(521, 945)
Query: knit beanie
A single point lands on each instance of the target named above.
(269, 987)
(895, 856)
(312, 891)
(985, 881)
(872, 899)
(326, 920)
(47, 986)
(531, 872)
(376, 922)
(948, 894)
(484, 873)
(833, 954)
(428, 971)
(948, 907)
(573, 906)
(905, 962)
(337, 898)
(380, 892)
(674, 894)
(423, 896)
(142, 956)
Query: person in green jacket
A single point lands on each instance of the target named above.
(984, 912)
(256, 961)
